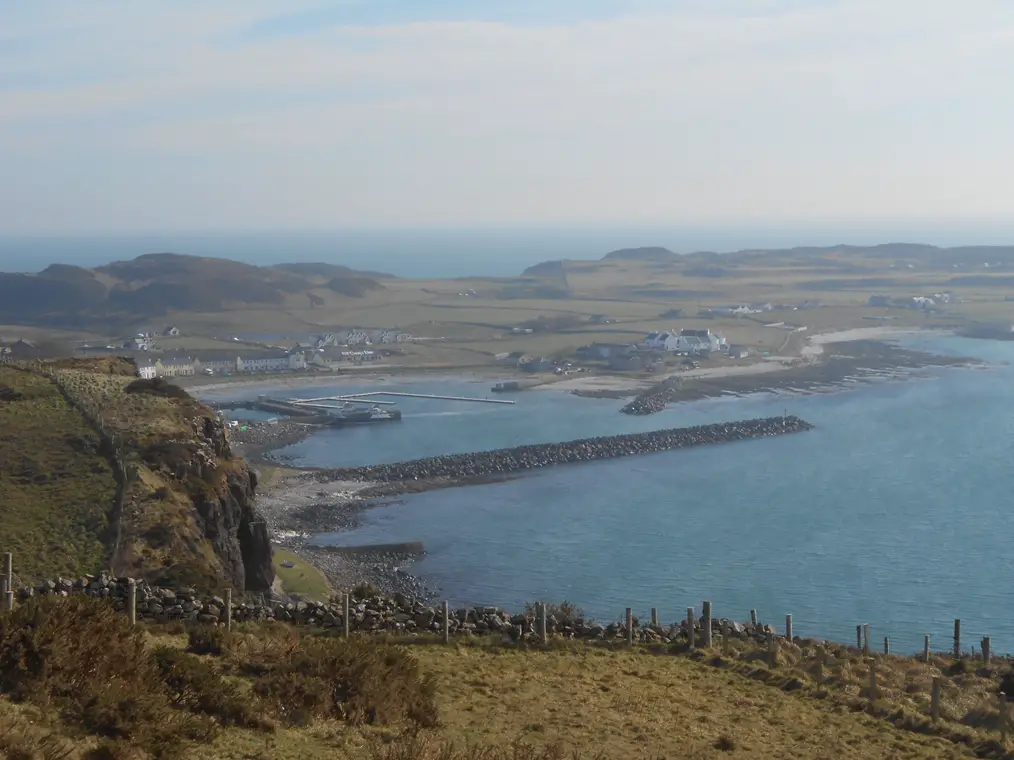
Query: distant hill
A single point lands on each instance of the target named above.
(919, 253)
(648, 253)
(154, 285)
(328, 271)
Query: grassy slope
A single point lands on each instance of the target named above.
(609, 702)
(56, 489)
(303, 579)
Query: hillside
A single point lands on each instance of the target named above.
(646, 253)
(127, 293)
(79, 683)
(100, 470)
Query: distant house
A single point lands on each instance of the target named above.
(663, 341)
(222, 366)
(23, 349)
(171, 332)
(175, 367)
(148, 369)
(738, 352)
(273, 363)
(535, 364)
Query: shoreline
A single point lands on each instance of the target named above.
(303, 502)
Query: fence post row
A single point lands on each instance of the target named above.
(691, 631)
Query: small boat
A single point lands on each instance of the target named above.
(356, 414)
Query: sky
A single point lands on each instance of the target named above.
(305, 114)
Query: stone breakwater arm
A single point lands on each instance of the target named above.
(520, 458)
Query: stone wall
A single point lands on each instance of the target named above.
(373, 614)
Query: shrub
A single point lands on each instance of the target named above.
(358, 682)
(208, 639)
(156, 386)
(193, 686)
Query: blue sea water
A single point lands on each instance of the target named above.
(895, 511)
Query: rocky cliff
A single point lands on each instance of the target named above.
(148, 483)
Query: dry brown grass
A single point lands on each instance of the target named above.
(272, 691)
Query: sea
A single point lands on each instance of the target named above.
(895, 511)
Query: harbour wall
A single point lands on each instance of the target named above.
(520, 458)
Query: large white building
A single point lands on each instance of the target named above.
(687, 341)
(273, 363)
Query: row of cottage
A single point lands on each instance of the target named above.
(647, 355)
(292, 361)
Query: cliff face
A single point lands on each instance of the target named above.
(200, 525)
(102, 470)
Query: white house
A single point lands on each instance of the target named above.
(148, 370)
(663, 341)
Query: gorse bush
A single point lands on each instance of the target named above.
(79, 658)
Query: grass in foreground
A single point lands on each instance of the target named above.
(71, 670)
(56, 487)
(302, 578)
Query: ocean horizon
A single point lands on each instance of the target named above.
(433, 253)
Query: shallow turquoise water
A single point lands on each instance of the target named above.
(895, 511)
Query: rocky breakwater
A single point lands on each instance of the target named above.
(504, 461)
(655, 398)
(371, 613)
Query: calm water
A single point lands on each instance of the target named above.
(895, 511)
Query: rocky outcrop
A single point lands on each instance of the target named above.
(504, 461)
(655, 398)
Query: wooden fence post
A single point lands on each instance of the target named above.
(887, 645)
(859, 637)
(654, 617)
(706, 625)
(935, 699)
(228, 609)
(132, 601)
(987, 650)
(691, 630)
(346, 616)
(543, 624)
(447, 622)
(866, 638)
(788, 628)
(926, 648)
(957, 639)
(630, 626)
(753, 618)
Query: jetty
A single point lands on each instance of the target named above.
(455, 467)
(371, 394)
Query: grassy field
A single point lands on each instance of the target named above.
(633, 296)
(56, 489)
(272, 691)
(302, 579)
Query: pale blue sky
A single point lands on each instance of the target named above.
(197, 114)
